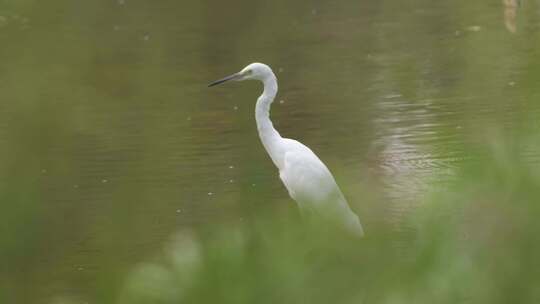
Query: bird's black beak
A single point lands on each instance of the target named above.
(222, 80)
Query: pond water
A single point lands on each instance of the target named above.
(111, 140)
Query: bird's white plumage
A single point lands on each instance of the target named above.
(305, 176)
(313, 187)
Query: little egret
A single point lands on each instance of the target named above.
(305, 176)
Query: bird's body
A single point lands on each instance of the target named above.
(306, 177)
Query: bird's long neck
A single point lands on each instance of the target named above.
(269, 135)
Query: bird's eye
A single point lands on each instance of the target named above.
(249, 72)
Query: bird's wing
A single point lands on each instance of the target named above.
(307, 179)
(313, 187)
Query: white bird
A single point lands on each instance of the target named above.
(305, 176)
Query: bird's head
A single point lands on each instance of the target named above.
(255, 71)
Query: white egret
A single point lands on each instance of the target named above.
(305, 176)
